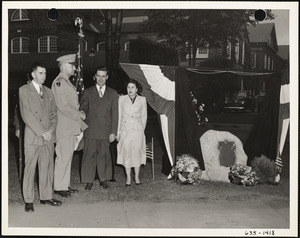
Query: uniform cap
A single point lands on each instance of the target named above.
(71, 59)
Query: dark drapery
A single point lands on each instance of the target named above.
(263, 137)
(186, 123)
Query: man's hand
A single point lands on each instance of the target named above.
(112, 137)
(17, 133)
(47, 135)
(83, 116)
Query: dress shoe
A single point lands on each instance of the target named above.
(63, 193)
(51, 202)
(88, 186)
(139, 183)
(29, 207)
(127, 185)
(112, 180)
(104, 185)
(72, 190)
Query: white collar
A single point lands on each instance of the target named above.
(102, 88)
(37, 86)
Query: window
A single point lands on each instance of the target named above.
(265, 61)
(253, 60)
(47, 44)
(228, 49)
(243, 53)
(272, 65)
(19, 15)
(101, 46)
(127, 46)
(20, 45)
(237, 51)
(269, 62)
(202, 52)
(84, 44)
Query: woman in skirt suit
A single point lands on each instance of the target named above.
(131, 127)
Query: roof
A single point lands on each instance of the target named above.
(260, 32)
(283, 51)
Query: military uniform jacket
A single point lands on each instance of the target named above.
(66, 97)
(101, 113)
(39, 115)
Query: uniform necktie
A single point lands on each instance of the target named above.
(41, 92)
(100, 92)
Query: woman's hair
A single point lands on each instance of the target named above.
(137, 84)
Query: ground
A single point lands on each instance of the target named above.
(162, 190)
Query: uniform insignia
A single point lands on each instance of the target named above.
(58, 84)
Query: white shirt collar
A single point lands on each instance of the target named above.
(102, 88)
(37, 86)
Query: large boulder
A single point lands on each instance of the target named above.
(220, 150)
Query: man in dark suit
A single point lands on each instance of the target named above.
(100, 104)
(38, 111)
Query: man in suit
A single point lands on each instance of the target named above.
(100, 103)
(70, 124)
(38, 111)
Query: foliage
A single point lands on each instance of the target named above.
(143, 51)
(199, 27)
(186, 170)
(265, 169)
(199, 110)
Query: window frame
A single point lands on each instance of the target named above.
(265, 60)
(243, 52)
(228, 49)
(101, 43)
(20, 15)
(253, 65)
(237, 50)
(48, 44)
(127, 46)
(20, 45)
(269, 62)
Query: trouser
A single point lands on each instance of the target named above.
(64, 153)
(96, 155)
(114, 155)
(43, 155)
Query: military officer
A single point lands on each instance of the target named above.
(70, 124)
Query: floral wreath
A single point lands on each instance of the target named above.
(186, 170)
(242, 175)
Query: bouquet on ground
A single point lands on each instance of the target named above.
(186, 170)
(242, 175)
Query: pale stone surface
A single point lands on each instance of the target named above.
(209, 142)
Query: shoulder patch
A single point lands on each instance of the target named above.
(58, 84)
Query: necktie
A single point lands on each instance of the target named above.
(100, 92)
(41, 92)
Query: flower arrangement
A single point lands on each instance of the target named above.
(199, 110)
(186, 170)
(242, 175)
